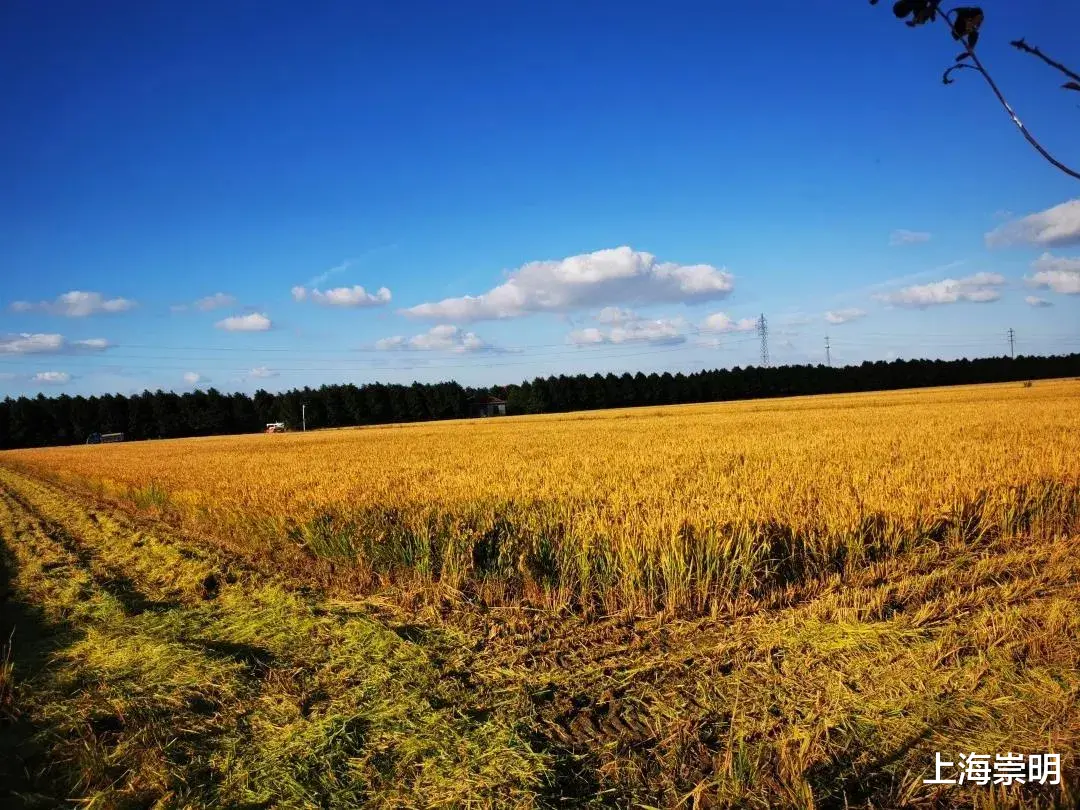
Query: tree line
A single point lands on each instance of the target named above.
(41, 421)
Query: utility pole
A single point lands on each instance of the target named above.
(763, 333)
(1012, 343)
(828, 356)
(303, 416)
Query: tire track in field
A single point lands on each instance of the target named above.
(161, 571)
(101, 693)
(191, 679)
(871, 668)
(105, 576)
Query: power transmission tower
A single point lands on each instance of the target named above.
(828, 356)
(763, 333)
(1012, 343)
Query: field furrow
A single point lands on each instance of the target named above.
(169, 676)
(793, 605)
(171, 667)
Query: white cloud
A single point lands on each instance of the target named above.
(657, 331)
(661, 330)
(904, 237)
(585, 337)
(52, 377)
(606, 277)
(443, 337)
(844, 315)
(50, 343)
(1054, 227)
(1050, 262)
(1035, 301)
(208, 303)
(355, 296)
(722, 322)
(76, 304)
(977, 288)
(323, 277)
(26, 343)
(215, 301)
(92, 344)
(192, 377)
(395, 342)
(262, 372)
(1060, 273)
(616, 315)
(254, 322)
(333, 271)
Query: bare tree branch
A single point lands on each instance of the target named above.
(964, 24)
(1020, 45)
(968, 49)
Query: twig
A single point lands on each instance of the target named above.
(1020, 45)
(1004, 103)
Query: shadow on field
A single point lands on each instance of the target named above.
(843, 783)
(23, 755)
(256, 660)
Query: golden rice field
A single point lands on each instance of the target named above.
(681, 509)
(787, 603)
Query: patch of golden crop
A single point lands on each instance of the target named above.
(684, 509)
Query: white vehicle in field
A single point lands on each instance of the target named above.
(275, 427)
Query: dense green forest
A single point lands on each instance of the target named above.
(39, 421)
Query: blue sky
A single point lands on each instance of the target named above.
(269, 194)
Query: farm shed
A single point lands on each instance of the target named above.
(488, 406)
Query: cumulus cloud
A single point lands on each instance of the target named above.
(840, 316)
(262, 372)
(52, 377)
(616, 315)
(901, 237)
(639, 330)
(253, 322)
(585, 337)
(722, 322)
(192, 377)
(26, 343)
(355, 296)
(1060, 273)
(76, 304)
(48, 343)
(443, 337)
(1054, 227)
(1035, 301)
(978, 288)
(607, 277)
